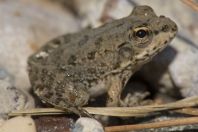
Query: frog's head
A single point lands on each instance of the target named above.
(149, 33)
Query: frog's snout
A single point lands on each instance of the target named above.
(168, 25)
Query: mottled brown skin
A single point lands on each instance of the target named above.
(64, 71)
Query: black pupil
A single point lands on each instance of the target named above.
(141, 33)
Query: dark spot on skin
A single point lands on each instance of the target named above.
(59, 94)
(174, 29)
(56, 41)
(156, 32)
(67, 38)
(48, 95)
(122, 44)
(158, 50)
(44, 71)
(91, 70)
(130, 28)
(110, 99)
(106, 52)
(84, 40)
(39, 87)
(91, 55)
(154, 48)
(165, 41)
(146, 55)
(140, 59)
(10, 88)
(119, 25)
(172, 37)
(130, 36)
(72, 98)
(57, 100)
(162, 16)
(165, 28)
(72, 60)
(16, 98)
(145, 24)
(148, 20)
(117, 37)
(98, 42)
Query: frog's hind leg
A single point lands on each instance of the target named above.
(78, 110)
(66, 106)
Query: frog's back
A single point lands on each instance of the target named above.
(65, 68)
(74, 60)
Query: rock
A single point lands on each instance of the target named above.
(84, 124)
(96, 12)
(53, 123)
(18, 124)
(87, 10)
(1, 122)
(135, 94)
(24, 27)
(10, 97)
(184, 72)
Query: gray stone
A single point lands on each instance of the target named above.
(24, 27)
(84, 124)
(18, 124)
(10, 97)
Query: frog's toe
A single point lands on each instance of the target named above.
(81, 112)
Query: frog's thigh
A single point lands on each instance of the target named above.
(114, 90)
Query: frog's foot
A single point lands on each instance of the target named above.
(80, 112)
(84, 113)
(137, 99)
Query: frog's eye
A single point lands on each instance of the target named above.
(141, 36)
(141, 32)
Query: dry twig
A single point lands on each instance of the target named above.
(191, 4)
(117, 111)
(167, 123)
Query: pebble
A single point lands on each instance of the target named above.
(24, 27)
(18, 124)
(10, 97)
(184, 72)
(84, 124)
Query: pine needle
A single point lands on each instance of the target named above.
(167, 123)
(117, 111)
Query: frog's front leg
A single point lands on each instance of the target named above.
(116, 83)
(114, 90)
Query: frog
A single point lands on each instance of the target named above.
(66, 70)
